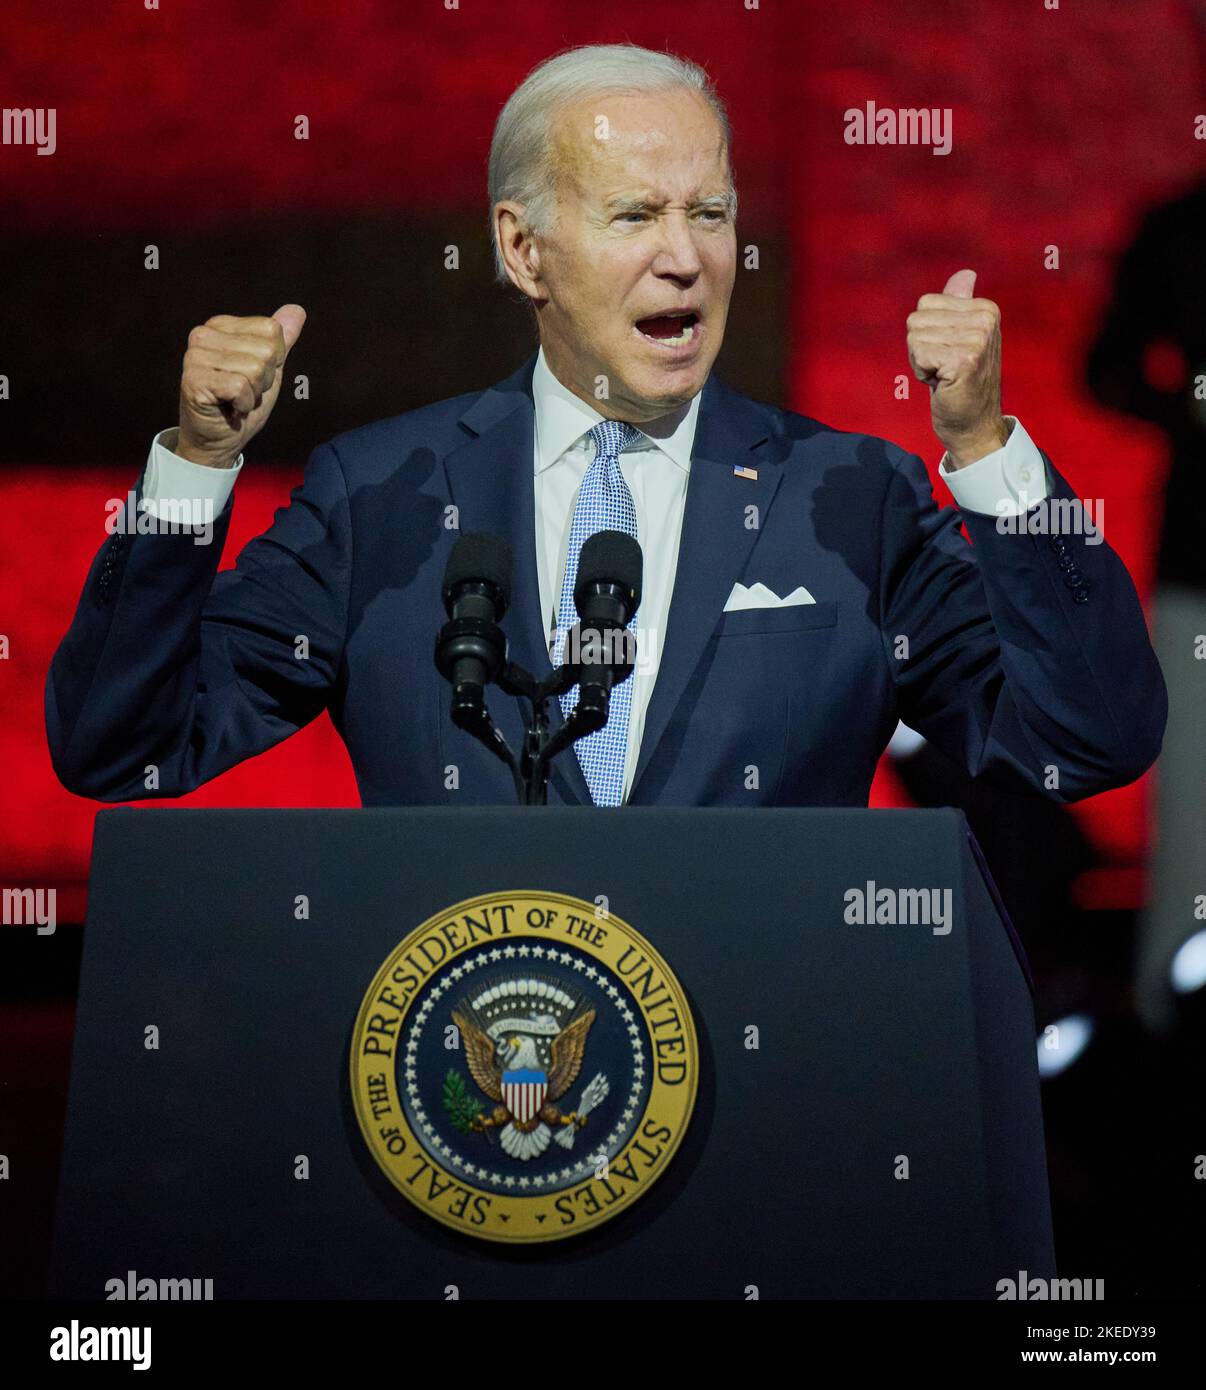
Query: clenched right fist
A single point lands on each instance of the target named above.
(232, 376)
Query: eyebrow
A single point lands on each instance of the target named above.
(623, 204)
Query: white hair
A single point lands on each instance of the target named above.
(520, 168)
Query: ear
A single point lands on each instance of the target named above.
(521, 255)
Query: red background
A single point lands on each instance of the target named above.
(1067, 123)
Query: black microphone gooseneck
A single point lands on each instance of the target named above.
(471, 650)
(600, 651)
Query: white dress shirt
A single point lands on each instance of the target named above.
(656, 469)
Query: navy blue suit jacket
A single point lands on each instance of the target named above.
(1023, 653)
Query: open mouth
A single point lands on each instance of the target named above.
(670, 330)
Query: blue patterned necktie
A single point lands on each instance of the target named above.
(604, 504)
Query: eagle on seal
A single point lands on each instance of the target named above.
(509, 1072)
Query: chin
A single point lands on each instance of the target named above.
(666, 388)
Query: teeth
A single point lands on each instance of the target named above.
(678, 340)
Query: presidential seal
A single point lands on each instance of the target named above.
(522, 1067)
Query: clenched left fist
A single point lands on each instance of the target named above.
(955, 348)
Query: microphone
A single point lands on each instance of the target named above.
(607, 592)
(471, 647)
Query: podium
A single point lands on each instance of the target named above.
(864, 1117)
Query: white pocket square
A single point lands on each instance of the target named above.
(759, 596)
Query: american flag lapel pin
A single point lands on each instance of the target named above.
(750, 473)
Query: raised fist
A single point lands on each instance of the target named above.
(231, 378)
(954, 345)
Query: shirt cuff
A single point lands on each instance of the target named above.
(179, 490)
(1007, 482)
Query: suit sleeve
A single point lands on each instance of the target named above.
(1026, 655)
(172, 665)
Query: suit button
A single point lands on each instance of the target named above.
(1065, 561)
(1081, 595)
(1073, 579)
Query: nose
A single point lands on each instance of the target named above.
(678, 256)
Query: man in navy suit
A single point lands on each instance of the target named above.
(802, 590)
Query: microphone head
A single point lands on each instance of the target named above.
(610, 557)
(479, 557)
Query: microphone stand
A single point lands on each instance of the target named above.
(530, 771)
(540, 746)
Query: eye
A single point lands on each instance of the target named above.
(628, 216)
(714, 214)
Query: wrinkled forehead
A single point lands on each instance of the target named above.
(667, 146)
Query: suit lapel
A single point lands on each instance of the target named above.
(490, 481)
(716, 541)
